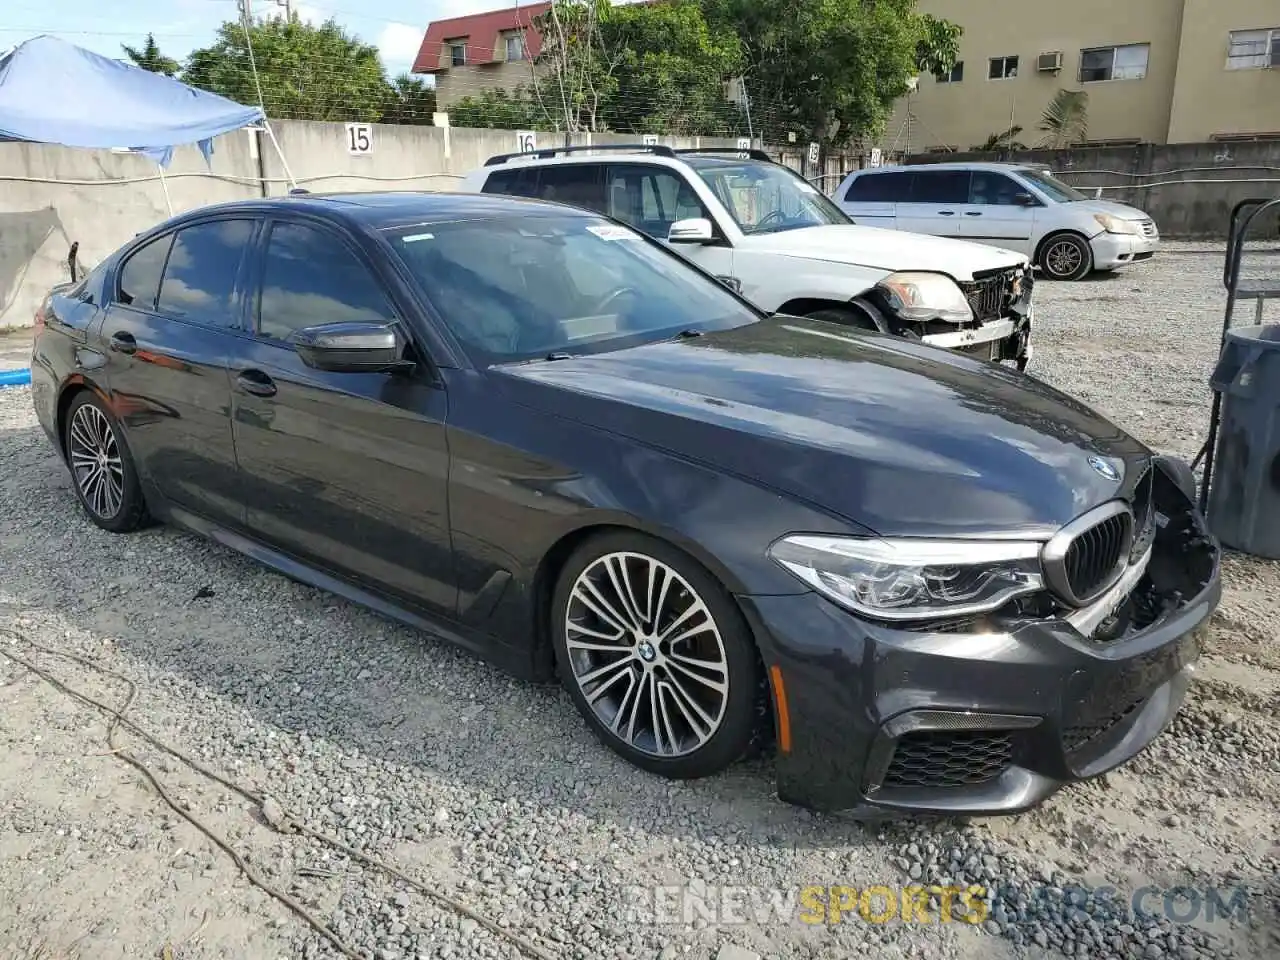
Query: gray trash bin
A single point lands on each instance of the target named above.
(1244, 496)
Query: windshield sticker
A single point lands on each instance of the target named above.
(609, 231)
(415, 237)
(806, 187)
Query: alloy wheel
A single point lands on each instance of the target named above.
(647, 655)
(1063, 258)
(96, 462)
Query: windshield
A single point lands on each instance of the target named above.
(523, 288)
(768, 197)
(1055, 188)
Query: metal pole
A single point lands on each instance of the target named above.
(279, 153)
(164, 185)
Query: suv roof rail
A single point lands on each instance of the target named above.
(547, 153)
(752, 152)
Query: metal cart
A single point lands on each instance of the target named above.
(1243, 216)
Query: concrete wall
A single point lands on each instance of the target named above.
(1188, 189)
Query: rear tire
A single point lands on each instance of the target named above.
(656, 656)
(1066, 256)
(102, 469)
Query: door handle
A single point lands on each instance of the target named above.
(257, 383)
(973, 213)
(123, 343)
(946, 213)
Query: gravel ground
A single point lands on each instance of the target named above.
(494, 794)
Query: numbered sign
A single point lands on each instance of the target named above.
(526, 141)
(744, 145)
(876, 157)
(359, 139)
(650, 139)
(813, 153)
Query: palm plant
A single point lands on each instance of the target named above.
(1065, 120)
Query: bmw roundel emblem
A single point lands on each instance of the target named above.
(1103, 469)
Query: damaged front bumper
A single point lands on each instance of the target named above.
(991, 716)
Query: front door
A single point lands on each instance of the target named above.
(169, 331)
(995, 216)
(344, 471)
(651, 198)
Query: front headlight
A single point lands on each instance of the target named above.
(925, 296)
(1115, 224)
(908, 579)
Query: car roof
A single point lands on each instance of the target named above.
(957, 165)
(382, 211)
(639, 155)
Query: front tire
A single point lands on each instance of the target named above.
(102, 469)
(1066, 256)
(656, 656)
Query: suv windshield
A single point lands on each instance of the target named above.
(768, 197)
(1055, 188)
(522, 288)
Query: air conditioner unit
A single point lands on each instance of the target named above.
(1050, 62)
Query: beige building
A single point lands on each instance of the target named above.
(483, 51)
(1156, 71)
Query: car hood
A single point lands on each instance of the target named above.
(900, 438)
(1121, 210)
(888, 250)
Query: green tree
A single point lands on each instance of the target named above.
(500, 110)
(1065, 120)
(409, 101)
(150, 58)
(670, 71)
(306, 72)
(1007, 140)
(831, 69)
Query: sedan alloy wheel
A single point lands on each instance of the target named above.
(96, 462)
(646, 654)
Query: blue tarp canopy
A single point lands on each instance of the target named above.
(52, 91)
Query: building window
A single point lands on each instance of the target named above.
(1253, 49)
(515, 46)
(1128, 62)
(955, 76)
(1002, 68)
(457, 53)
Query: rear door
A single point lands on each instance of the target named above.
(994, 215)
(344, 471)
(936, 204)
(871, 198)
(170, 327)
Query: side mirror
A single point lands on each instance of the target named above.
(695, 230)
(349, 347)
(1024, 199)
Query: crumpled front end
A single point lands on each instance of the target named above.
(995, 713)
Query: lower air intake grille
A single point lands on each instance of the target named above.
(932, 758)
(1093, 556)
(1073, 738)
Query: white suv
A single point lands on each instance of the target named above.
(772, 236)
(1012, 206)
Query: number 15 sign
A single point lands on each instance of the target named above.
(359, 139)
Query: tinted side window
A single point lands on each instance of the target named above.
(140, 276)
(310, 277)
(879, 188)
(515, 183)
(200, 277)
(651, 199)
(994, 188)
(941, 186)
(575, 184)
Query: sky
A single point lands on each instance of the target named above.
(180, 26)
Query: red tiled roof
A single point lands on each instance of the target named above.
(481, 32)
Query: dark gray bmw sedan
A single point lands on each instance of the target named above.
(934, 584)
